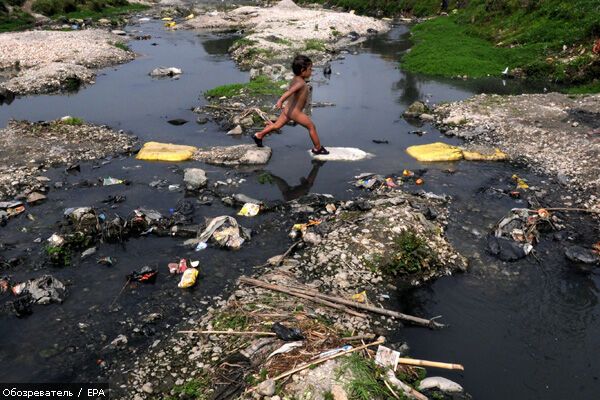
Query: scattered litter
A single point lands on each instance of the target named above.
(194, 264)
(378, 141)
(43, 290)
(35, 197)
(170, 24)
(144, 275)
(166, 19)
(56, 240)
(521, 183)
(334, 351)
(189, 17)
(407, 173)
(249, 210)
(387, 357)
(112, 181)
(225, 231)
(188, 278)
(330, 208)
(360, 297)
(287, 347)
(201, 246)
(443, 384)
(155, 151)
(419, 181)
(174, 187)
(89, 252)
(109, 261)
(286, 334)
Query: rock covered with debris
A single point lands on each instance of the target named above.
(555, 133)
(47, 144)
(47, 61)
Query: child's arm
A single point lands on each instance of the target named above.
(294, 88)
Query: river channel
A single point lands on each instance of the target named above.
(523, 330)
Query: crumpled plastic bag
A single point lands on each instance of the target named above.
(285, 333)
(43, 290)
(225, 231)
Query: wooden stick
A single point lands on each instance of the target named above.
(430, 323)
(425, 363)
(286, 290)
(569, 209)
(331, 357)
(254, 333)
(359, 337)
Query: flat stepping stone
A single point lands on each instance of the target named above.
(342, 154)
(243, 154)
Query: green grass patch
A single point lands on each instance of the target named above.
(444, 48)
(366, 378)
(84, 9)
(121, 45)
(314, 44)
(195, 389)
(16, 21)
(242, 42)
(589, 88)
(408, 254)
(230, 320)
(265, 178)
(74, 121)
(59, 256)
(260, 86)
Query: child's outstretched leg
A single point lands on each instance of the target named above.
(281, 121)
(306, 122)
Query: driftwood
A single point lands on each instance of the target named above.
(314, 295)
(368, 336)
(425, 363)
(253, 333)
(292, 292)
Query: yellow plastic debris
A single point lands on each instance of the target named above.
(435, 152)
(190, 16)
(497, 155)
(360, 297)
(155, 151)
(249, 210)
(167, 19)
(170, 24)
(189, 278)
(521, 184)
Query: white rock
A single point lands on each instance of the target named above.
(236, 131)
(441, 383)
(194, 178)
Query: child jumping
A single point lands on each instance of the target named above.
(298, 91)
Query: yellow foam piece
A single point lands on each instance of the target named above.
(155, 151)
(435, 152)
(498, 155)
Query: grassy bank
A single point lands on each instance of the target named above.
(541, 39)
(12, 18)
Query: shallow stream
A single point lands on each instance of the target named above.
(524, 330)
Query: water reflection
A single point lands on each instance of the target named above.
(293, 192)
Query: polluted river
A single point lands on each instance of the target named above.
(524, 330)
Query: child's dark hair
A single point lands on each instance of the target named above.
(300, 64)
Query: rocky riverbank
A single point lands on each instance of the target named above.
(276, 34)
(48, 61)
(28, 149)
(555, 133)
(356, 250)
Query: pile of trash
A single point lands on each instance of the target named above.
(43, 290)
(371, 181)
(223, 231)
(515, 235)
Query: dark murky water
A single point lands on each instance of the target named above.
(524, 330)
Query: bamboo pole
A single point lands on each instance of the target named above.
(425, 363)
(253, 333)
(430, 323)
